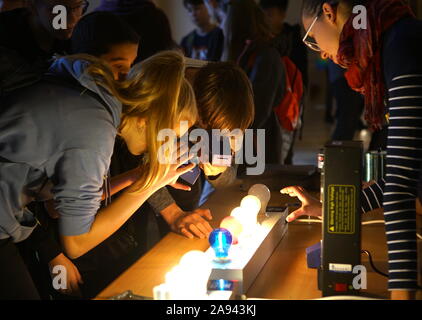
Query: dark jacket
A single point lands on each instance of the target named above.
(22, 61)
(262, 64)
(215, 44)
(289, 43)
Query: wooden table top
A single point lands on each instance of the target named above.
(285, 275)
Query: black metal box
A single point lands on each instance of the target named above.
(341, 240)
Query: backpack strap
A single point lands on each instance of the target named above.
(251, 58)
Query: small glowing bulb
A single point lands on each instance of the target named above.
(251, 202)
(175, 282)
(197, 264)
(263, 193)
(189, 279)
(234, 226)
(252, 205)
(221, 241)
(195, 260)
(246, 218)
(238, 212)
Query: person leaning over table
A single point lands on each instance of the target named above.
(225, 101)
(106, 36)
(383, 62)
(52, 133)
(231, 108)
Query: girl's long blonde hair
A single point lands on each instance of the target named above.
(155, 90)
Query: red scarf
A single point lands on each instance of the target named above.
(360, 52)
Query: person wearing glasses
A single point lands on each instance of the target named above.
(28, 39)
(383, 62)
(28, 42)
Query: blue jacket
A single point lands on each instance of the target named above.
(57, 136)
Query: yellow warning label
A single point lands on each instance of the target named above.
(341, 209)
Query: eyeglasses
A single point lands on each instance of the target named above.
(310, 43)
(79, 9)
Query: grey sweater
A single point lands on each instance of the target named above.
(52, 133)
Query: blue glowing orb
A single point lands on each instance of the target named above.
(221, 241)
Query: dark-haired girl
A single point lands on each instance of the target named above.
(383, 61)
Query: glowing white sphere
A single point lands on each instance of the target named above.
(175, 281)
(238, 213)
(197, 263)
(246, 218)
(188, 280)
(251, 204)
(262, 192)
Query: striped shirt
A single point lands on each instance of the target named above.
(402, 65)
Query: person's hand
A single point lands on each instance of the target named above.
(178, 159)
(73, 277)
(212, 171)
(190, 224)
(194, 224)
(402, 295)
(310, 206)
(180, 186)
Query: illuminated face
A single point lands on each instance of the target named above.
(43, 10)
(325, 35)
(120, 57)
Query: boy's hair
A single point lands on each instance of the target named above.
(282, 5)
(96, 32)
(192, 2)
(224, 96)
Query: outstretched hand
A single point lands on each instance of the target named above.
(194, 224)
(310, 205)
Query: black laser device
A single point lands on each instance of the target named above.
(341, 234)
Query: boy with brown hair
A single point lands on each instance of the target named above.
(225, 101)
